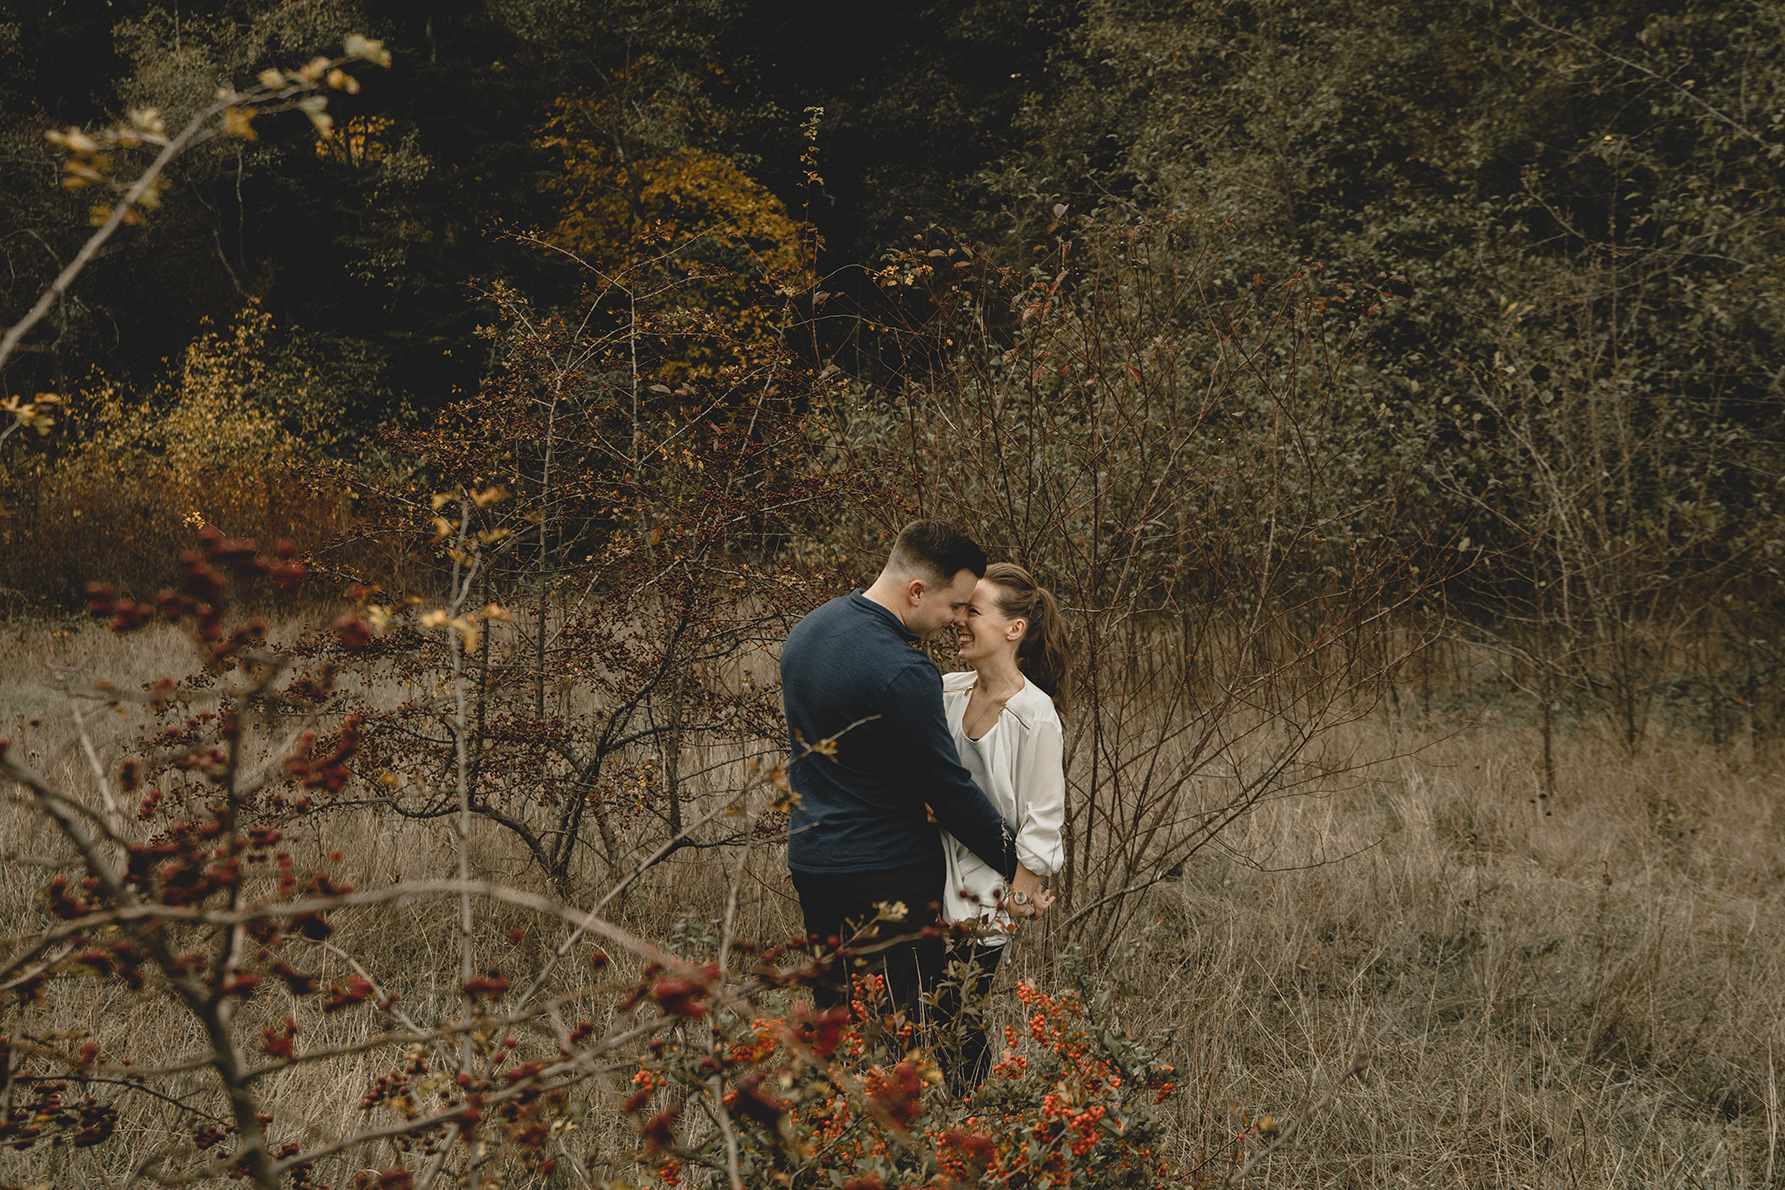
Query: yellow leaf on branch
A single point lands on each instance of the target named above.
(237, 122)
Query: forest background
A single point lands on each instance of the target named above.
(1391, 392)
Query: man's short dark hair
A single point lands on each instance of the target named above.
(939, 549)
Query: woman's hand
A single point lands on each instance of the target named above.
(1038, 899)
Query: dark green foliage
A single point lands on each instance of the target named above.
(1568, 217)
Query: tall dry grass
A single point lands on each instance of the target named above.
(1581, 991)
(1583, 995)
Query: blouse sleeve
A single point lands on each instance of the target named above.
(1041, 789)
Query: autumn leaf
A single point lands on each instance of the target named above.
(236, 122)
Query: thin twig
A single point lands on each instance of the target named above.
(725, 938)
(439, 1161)
(113, 818)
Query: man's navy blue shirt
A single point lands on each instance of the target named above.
(862, 808)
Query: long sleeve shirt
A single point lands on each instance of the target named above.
(1019, 762)
(851, 676)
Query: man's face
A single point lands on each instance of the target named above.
(935, 607)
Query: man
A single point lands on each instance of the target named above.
(861, 836)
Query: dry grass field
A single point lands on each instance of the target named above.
(1578, 992)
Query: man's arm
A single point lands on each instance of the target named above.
(915, 717)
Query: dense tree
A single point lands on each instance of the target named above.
(1568, 219)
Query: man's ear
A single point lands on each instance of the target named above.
(914, 591)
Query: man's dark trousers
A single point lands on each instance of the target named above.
(837, 905)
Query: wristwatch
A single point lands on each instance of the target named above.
(1018, 897)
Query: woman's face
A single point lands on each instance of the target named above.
(989, 632)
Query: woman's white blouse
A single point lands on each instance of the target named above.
(1023, 756)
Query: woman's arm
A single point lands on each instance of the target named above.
(1041, 798)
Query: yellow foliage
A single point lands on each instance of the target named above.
(358, 140)
(626, 213)
(636, 210)
(227, 407)
(219, 442)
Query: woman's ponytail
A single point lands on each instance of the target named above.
(1045, 653)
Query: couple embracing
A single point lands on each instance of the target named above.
(942, 794)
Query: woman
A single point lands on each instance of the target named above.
(1006, 728)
